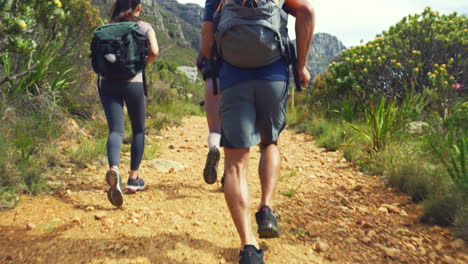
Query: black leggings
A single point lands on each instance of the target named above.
(113, 96)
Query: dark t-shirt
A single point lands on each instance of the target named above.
(230, 75)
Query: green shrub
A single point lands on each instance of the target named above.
(461, 223)
(381, 124)
(413, 176)
(423, 51)
(442, 208)
(328, 134)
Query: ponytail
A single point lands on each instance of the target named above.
(123, 10)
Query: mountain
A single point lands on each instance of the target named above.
(323, 50)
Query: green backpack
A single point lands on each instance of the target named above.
(119, 50)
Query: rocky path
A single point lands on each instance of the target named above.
(330, 213)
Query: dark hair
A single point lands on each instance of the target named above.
(123, 10)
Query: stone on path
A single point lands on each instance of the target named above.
(165, 165)
(30, 226)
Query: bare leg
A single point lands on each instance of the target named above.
(237, 194)
(212, 114)
(133, 174)
(268, 171)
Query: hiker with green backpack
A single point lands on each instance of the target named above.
(120, 52)
(249, 39)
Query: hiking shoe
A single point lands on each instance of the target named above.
(267, 223)
(134, 185)
(114, 194)
(211, 166)
(251, 255)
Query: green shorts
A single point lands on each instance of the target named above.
(252, 110)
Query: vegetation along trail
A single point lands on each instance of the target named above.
(330, 213)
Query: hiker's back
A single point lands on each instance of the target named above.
(251, 33)
(119, 50)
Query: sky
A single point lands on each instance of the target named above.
(353, 21)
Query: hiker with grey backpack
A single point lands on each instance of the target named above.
(250, 41)
(120, 51)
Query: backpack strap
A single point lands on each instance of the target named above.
(293, 60)
(99, 81)
(144, 82)
(213, 64)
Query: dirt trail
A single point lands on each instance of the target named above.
(329, 211)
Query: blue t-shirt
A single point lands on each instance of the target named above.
(230, 75)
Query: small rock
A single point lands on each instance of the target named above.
(321, 246)
(433, 256)
(410, 246)
(76, 219)
(382, 210)
(30, 226)
(351, 240)
(109, 222)
(392, 208)
(366, 240)
(358, 187)
(437, 229)
(142, 260)
(458, 244)
(100, 215)
(448, 260)
(403, 213)
(171, 147)
(89, 208)
(222, 261)
(391, 252)
(416, 127)
(422, 250)
(69, 192)
(165, 165)
(366, 224)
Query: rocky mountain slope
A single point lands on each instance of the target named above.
(324, 49)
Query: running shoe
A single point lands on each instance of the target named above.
(251, 255)
(134, 185)
(114, 194)
(211, 166)
(267, 223)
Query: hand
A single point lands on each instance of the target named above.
(304, 75)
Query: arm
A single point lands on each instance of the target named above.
(207, 38)
(305, 24)
(153, 47)
(207, 31)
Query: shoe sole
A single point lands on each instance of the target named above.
(132, 188)
(210, 171)
(114, 194)
(269, 231)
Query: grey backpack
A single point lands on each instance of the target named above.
(251, 33)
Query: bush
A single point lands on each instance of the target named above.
(442, 208)
(420, 52)
(328, 134)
